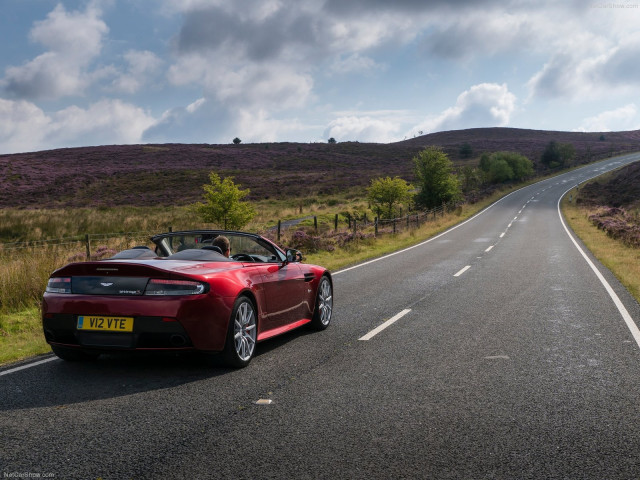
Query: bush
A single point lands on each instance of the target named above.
(618, 224)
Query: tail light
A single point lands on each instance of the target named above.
(160, 286)
(59, 285)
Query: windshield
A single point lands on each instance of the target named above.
(246, 248)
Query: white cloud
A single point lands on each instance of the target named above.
(595, 68)
(22, 126)
(355, 63)
(260, 126)
(623, 118)
(484, 105)
(363, 129)
(25, 127)
(141, 68)
(73, 40)
(104, 122)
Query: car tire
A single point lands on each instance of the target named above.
(241, 334)
(73, 354)
(324, 305)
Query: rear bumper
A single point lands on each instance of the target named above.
(149, 333)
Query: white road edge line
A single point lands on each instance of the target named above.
(462, 271)
(633, 328)
(386, 324)
(29, 365)
(489, 248)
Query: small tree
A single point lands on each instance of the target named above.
(332, 140)
(387, 193)
(470, 178)
(224, 205)
(465, 150)
(237, 141)
(436, 180)
(558, 154)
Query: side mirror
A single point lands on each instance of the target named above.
(293, 255)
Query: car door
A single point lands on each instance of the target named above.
(285, 290)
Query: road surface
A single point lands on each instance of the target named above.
(491, 351)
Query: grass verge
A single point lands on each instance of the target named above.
(21, 335)
(21, 330)
(622, 260)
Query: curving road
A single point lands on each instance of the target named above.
(491, 351)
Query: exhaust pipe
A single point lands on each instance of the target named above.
(178, 340)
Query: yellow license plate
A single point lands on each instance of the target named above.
(105, 324)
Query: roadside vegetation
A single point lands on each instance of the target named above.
(26, 265)
(605, 214)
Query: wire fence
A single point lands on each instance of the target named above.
(364, 224)
(100, 245)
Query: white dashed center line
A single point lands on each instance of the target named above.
(386, 324)
(462, 271)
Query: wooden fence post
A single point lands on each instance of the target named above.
(279, 225)
(315, 223)
(336, 223)
(394, 225)
(88, 245)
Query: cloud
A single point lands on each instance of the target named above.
(595, 70)
(354, 63)
(22, 126)
(483, 105)
(485, 32)
(620, 119)
(25, 127)
(141, 69)
(73, 40)
(363, 128)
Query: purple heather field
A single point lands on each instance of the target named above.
(173, 174)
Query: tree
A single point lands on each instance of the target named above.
(567, 153)
(465, 150)
(332, 140)
(500, 171)
(521, 167)
(470, 178)
(386, 193)
(558, 154)
(551, 155)
(436, 181)
(485, 162)
(237, 141)
(224, 205)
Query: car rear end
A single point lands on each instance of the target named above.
(100, 306)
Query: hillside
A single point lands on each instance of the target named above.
(172, 174)
(622, 190)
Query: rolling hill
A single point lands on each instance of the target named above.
(173, 174)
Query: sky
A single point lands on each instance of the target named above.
(103, 72)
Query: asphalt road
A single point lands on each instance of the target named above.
(502, 355)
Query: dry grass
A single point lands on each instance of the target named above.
(622, 260)
(24, 272)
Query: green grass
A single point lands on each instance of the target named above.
(21, 335)
(20, 324)
(622, 260)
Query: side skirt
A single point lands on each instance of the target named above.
(283, 329)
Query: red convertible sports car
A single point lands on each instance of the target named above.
(187, 294)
